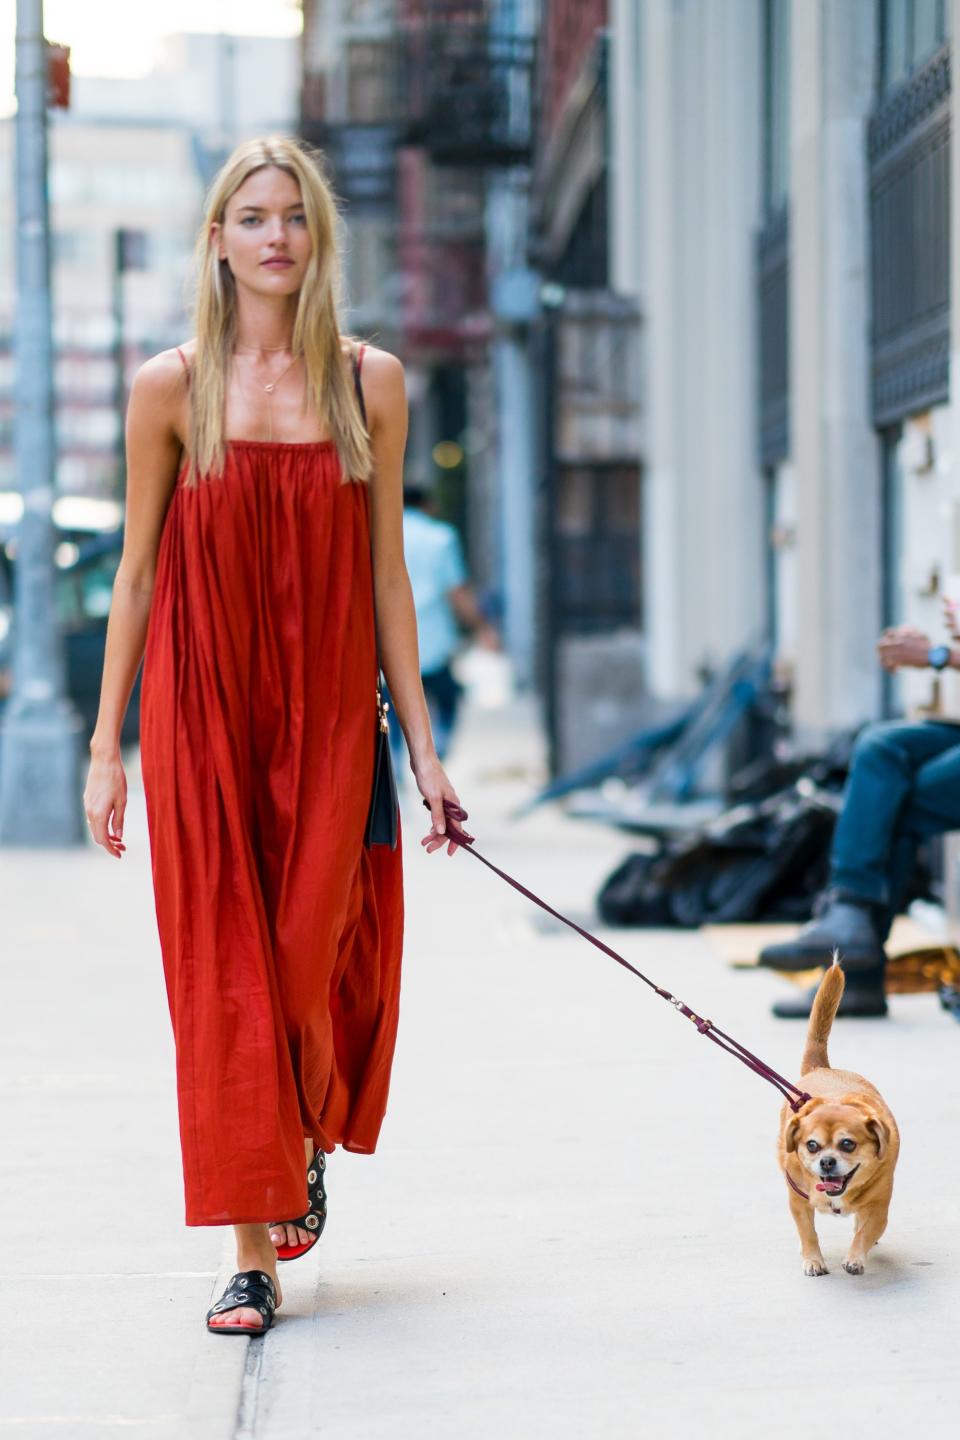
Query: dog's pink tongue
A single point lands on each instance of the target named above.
(832, 1187)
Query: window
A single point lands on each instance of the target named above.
(910, 32)
(597, 547)
(776, 104)
(371, 81)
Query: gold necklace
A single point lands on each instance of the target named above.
(274, 383)
(270, 389)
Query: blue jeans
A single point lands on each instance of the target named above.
(903, 787)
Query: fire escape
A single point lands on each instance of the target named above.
(469, 87)
(413, 101)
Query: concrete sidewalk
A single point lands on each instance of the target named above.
(574, 1224)
(105, 1289)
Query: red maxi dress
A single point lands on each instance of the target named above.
(281, 932)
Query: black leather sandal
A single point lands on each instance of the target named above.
(249, 1289)
(316, 1215)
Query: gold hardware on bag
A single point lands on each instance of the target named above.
(382, 707)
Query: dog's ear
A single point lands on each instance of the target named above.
(792, 1133)
(880, 1133)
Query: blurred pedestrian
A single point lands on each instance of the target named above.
(903, 787)
(261, 467)
(445, 603)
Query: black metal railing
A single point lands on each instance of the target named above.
(909, 159)
(470, 87)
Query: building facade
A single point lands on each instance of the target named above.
(784, 220)
(129, 163)
(416, 106)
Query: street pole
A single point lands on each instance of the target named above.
(39, 740)
(119, 370)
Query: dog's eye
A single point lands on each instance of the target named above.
(848, 1144)
(812, 1146)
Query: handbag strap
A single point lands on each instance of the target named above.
(382, 706)
(357, 363)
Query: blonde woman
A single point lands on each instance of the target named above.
(263, 537)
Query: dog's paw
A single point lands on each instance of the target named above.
(853, 1267)
(815, 1267)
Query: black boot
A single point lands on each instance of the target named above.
(863, 999)
(843, 926)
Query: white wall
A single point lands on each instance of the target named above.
(700, 174)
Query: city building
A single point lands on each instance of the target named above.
(129, 162)
(787, 230)
(422, 109)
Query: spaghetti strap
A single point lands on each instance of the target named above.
(185, 365)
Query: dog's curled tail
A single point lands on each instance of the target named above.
(825, 1004)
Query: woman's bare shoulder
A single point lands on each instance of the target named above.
(165, 371)
(383, 379)
(158, 392)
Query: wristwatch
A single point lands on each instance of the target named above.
(938, 656)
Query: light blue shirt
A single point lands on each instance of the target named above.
(435, 563)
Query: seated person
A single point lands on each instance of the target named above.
(903, 786)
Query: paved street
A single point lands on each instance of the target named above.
(574, 1226)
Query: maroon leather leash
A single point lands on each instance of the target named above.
(794, 1186)
(794, 1096)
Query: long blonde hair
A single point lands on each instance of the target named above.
(316, 332)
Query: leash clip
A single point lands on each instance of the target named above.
(799, 1102)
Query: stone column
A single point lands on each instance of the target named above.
(703, 499)
(954, 457)
(835, 449)
(722, 418)
(662, 535)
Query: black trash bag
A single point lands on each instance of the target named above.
(630, 897)
(763, 861)
(769, 868)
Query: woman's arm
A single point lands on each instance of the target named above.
(386, 402)
(152, 451)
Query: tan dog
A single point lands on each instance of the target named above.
(839, 1151)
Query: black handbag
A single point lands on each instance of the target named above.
(384, 802)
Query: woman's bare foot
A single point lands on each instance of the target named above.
(255, 1251)
(294, 1234)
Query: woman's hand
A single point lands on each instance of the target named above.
(435, 787)
(105, 799)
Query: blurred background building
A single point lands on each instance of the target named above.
(672, 285)
(129, 160)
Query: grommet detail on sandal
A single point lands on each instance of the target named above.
(315, 1217)
(253, 1290)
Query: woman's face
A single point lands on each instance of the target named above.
(264, 223)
